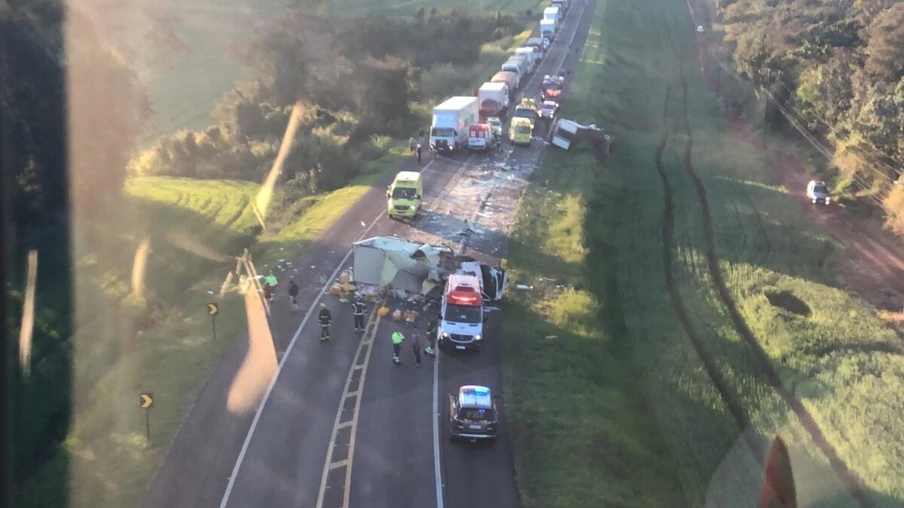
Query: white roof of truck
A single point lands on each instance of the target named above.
(497, 86)
(550, 9)
(456, 103)
(547, 22)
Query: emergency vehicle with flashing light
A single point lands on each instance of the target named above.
(461, 314)
(472, 414)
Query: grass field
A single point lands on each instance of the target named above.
(670, 327)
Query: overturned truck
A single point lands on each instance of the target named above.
(566, 133)
(387, 262)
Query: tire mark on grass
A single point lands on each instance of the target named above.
(668, 228)
(847, 477)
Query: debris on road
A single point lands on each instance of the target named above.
(524, 286)
(409, 271)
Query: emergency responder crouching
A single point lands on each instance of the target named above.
(359, 308)
(325, 318)
(431, 338)
(397, 339)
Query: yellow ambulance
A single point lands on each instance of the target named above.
(404, 194)
(520, 131)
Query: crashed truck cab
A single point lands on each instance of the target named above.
(461, 315)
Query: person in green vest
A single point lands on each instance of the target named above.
(397, 339)
(270, 285)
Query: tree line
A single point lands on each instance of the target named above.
(357, 77)
(838, 65)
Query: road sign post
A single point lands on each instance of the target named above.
(212, 310)
(146, 402)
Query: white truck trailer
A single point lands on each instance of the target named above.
(548, 29)
(531, 55)
(451, 119)
(552, 14)
(493, 99)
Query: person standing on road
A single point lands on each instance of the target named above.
(359, 307)
(418, 153)
(431, 338)
(293, 294)
(270, 286)
(326, 319)
(397, 339)
(416, 345)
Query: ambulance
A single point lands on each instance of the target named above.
(461, 316)
(521, 130)
(404, 195)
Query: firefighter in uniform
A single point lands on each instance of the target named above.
(325, 318)
(431, 338)
(397, 339)
(359, 307)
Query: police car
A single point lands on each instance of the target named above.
(472, 414)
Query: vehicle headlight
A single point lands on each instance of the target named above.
(445, 335)
(412, 207)
(477, 337)
(828, 200)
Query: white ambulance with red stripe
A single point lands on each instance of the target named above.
(461, 316)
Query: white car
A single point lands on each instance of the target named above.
(818, 192)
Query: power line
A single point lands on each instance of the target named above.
(876, 158)
(827, 152)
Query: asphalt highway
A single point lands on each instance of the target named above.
(341, 425)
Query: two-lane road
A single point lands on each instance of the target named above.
(403, 457)
(343, 426)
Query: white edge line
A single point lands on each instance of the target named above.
(437, 472)
(260, 408)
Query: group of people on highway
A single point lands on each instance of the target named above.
(359, 307)
(398, 338)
